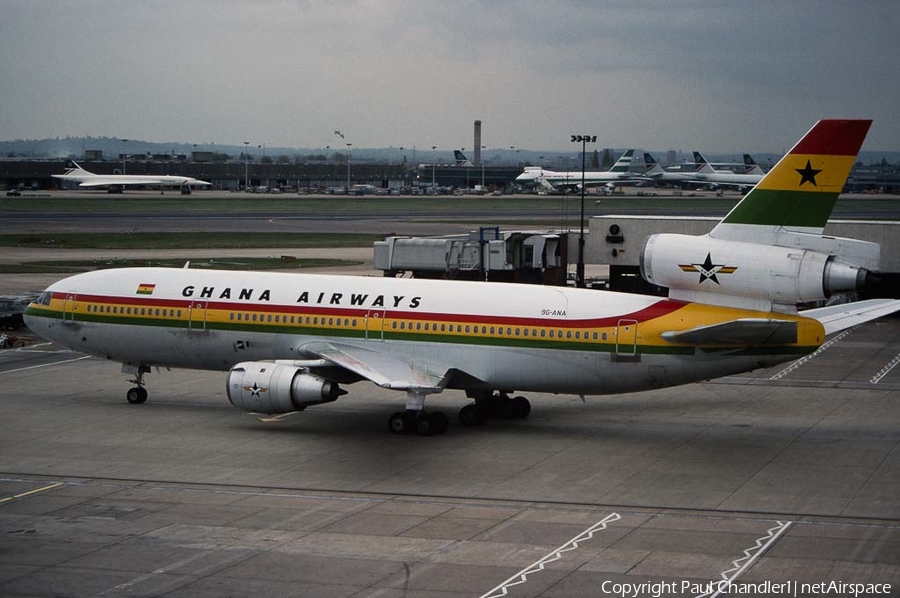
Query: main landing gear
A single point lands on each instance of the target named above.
(138, 394)
(487, 405)
(416, 420)
(423, 423)
(498, 406)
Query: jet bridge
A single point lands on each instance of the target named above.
(487, 254)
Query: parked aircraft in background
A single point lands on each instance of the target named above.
(658, 173)
(116, 182)
(746, 166)
(620, 173)
(288, 340)
(712, 178)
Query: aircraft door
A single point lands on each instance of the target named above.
(197, 315)
(626, 339)
(69, 307)
(375, 325)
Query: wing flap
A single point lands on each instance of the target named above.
(741, 332)
(384, 370)
(846, 315)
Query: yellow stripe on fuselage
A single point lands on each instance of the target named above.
(649, 332)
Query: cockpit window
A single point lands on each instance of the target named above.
(44, 298)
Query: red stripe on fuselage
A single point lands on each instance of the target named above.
(660, 308)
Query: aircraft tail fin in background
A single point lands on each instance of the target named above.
(623, 164)
(461, 159)
(77, 170)
(752, 166)
(799, 193)
(703, 165)
(653, 166)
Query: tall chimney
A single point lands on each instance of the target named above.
(477, 143)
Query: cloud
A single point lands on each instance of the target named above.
(727, 75)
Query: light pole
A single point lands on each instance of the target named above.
(579, 267)
(341, 135)
(463, 152)
(483, 147)
(349, 145)
(433, 147)
(124, 154)
(246, 166)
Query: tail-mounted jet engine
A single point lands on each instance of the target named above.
(263, 387)
(690, 266)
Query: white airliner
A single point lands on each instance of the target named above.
(707, 175)
(620, 173)
(88, 180)
(658, 173)
(288, 341)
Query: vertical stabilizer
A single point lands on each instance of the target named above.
(623, 164)
(799, 193)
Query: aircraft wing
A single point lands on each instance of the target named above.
(846, 315)
(741, 332)
(383, 369)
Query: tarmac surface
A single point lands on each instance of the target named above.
(787, 475)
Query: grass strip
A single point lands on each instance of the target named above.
(222, 263)
(187, 240)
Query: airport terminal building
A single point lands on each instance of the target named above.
(233, 175)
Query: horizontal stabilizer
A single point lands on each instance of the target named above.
(747, 331)
(846, 315)
(382, 369)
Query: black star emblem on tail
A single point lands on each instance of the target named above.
(708, 269)
(808, 174)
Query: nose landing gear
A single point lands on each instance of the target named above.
(138, 394)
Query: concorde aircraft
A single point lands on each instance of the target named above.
(288, 341)
(620, 173)
(88, 180)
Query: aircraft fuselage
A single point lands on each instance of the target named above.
(496, 336)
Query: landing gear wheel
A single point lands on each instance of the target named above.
(397, 423)
(472, 415)
(439, 421)
(521, 407)
(506, 408)
(424, 424)
(136, 395)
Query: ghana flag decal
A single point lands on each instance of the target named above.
(145, 289)
(801, 190)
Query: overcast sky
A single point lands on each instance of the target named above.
(719, 76)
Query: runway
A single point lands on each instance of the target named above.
(798, 465)
(412, 215)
